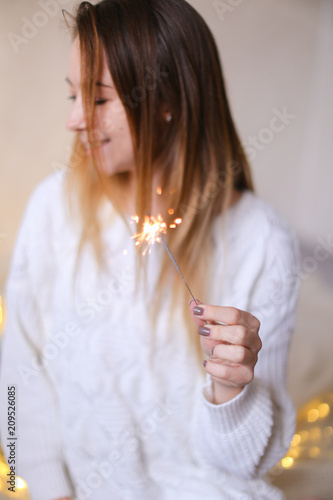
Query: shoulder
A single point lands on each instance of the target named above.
(43, 214)
(45, 211)
(267, 257)
(254, 226)
(254, 215)
(47, 196)
(256, 253)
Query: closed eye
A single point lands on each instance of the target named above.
(100, 102)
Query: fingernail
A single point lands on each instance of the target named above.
(192, 300)
(198, 311)
(203, 330)
(204, 363)
(211, 351)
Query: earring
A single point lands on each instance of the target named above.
(169, 118)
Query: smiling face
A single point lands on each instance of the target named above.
(112, 140)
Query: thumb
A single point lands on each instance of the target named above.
(196, 303)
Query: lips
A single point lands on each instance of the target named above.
(96, 145)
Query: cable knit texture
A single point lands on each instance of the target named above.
(106, 410)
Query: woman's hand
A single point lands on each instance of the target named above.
(232, 347)
(63, 498)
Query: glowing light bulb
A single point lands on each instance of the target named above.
(287, 462)
(20, 483)
(313, 415)
(324, 410)
(296, 440)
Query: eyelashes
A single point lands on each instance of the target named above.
(98, 102)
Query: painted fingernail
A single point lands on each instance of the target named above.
(204, 363)
(198, 311)
(211, 351)
(204, 331)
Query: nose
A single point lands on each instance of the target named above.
(76, 120)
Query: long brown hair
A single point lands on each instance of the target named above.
(162, 57)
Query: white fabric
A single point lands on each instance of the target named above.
(104, 413)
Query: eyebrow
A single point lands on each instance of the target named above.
(99, 84)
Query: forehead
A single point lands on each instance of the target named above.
(75, 64)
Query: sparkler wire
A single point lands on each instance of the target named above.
(176, 266)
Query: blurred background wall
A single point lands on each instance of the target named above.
(278, 66)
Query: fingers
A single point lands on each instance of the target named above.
(230, 375)
(236, 354)
(225, 315)
(235, 334)
(193, 304)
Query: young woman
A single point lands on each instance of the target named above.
(113, 400)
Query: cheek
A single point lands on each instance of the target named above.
(113, 118)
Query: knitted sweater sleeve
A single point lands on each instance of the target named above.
(24, 364)
(249, 434)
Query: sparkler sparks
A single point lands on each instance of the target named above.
(153, 231)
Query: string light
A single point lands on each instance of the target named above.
(287, 462)
(21, 487)
(313, 415)
(313, 439)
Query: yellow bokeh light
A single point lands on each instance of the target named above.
(3, 469)
(159, 190)
(327, 431)
(313, 415)
(296, 440)
(314, 452)
(171, 211)
(20, 483)
(324, 410)
(287, 462)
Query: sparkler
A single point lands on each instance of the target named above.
(153, 231)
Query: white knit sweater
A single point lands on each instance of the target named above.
(103, 413)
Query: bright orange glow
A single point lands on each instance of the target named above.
(171, 211)
(159, 190)
(152, 230)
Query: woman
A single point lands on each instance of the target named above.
(106, 354)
